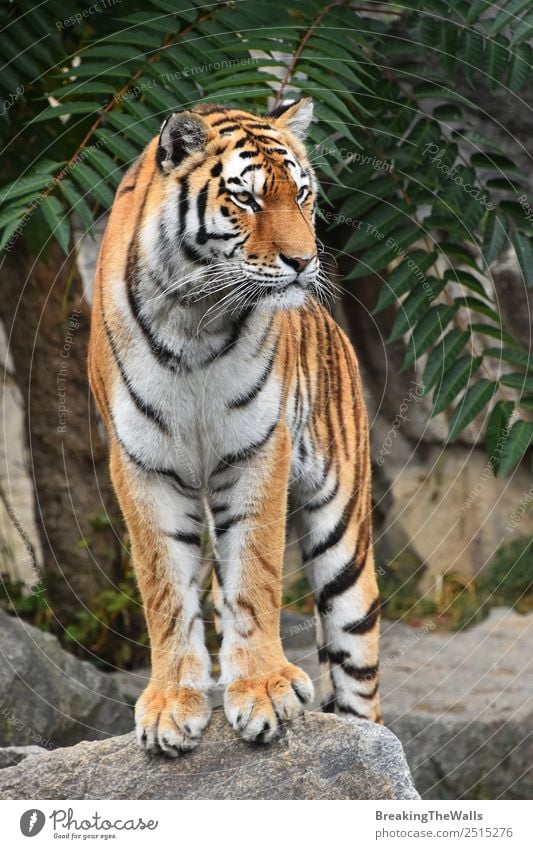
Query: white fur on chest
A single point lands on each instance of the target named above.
(196, 405)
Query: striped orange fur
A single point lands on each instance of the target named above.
(232, 399)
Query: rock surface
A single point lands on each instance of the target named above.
(318, 757)
(13, 755)
(50, 698)
(461, 704)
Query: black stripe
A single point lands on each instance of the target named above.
(188, 539)
(328, 707)
(223, 486)
(358, 673)
(224, 527)
(344, 579)
(249, 154)
(336, 534)
(191, 253)
(323, 656)
(166, 357)
(247, 397)
(364, 625)
(256, 166)
(231, 340)
(218, 573)
(347, 709)
(183, 206)
(142, 406)
(219, 508)
(257, 125)
(372, 692)
(230, 129)
(317, 505)
(245, 453)
(173, 476)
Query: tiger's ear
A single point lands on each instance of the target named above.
(294, 115)
(181, 134)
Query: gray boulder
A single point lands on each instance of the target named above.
(13, 755)
(462, 705)
(319, 757)
(50, 698)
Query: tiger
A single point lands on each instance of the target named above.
(234, 405)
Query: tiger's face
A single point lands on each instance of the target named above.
(241, 194)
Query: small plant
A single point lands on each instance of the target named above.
(114, 630)
(29, 604)
(508, 580)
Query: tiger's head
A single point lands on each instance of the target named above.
(238, 203)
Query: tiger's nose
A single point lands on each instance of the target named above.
(298, 263)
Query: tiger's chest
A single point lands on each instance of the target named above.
(190, 417)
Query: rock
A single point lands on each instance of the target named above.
(440, 505)
(131, 682)
(12, 755)
(319, 757)
(462, 705)
(50, 698)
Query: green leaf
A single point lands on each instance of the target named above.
(77, 203)
(515, 356)
(471, 404)
(451, 250)
(523, 31)
(477, 7)
(508, 15)
(404, 277)
(497, 431)
(524, 252)
(118, 145)
(495, 333)
(455, 378)
(457, 275)
(495, 236)
(57, 220)
(521, 66)
(475, 305)
(72, 107)
(515, 446)
(442, 356)
(33, 183)
(413, 307)
(93, 184)
(427, 331)
(516, 380)
(133, 130)
(497, 55)
(448, 112)
(385, 251)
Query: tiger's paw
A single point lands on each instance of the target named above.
(255, 707)
(171, 720)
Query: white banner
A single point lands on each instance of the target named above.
(256, 824)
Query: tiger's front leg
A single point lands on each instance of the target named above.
(164, 526)
(249, 507)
